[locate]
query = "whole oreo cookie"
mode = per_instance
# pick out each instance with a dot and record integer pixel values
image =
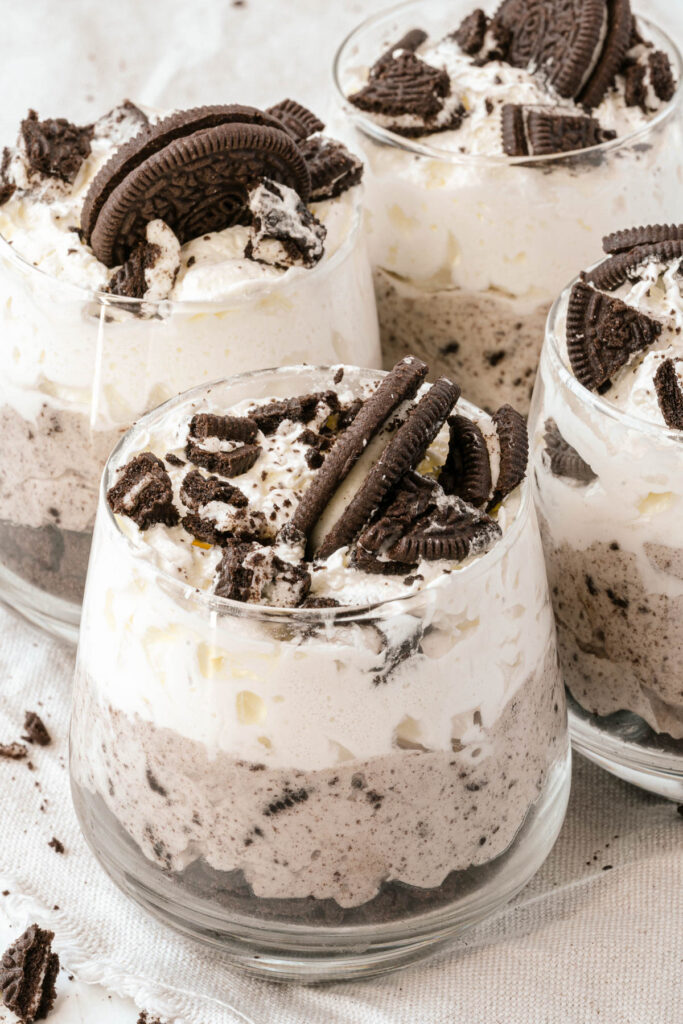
(617, 42)
(612, 273)
(563, 38)
(403, 452)
(193, 171)
(603, 333)
(650, 234)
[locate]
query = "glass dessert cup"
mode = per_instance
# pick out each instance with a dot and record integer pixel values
(613, 544)
(469, 251)
(319, 793)
(77, 368)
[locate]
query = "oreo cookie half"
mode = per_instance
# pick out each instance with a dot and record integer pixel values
(564, 460)
(612, 273)
(396, 387)
(513, 440)
(603, 333)
(563, 38)
(333, 168)
(650, 234)
(407, 85)
(528, 131)
(471, 32)
(403, 452)
(617, 42)
(28, 972)
(669, 394)
(467, 471)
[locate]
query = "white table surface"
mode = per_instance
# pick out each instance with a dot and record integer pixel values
(270, 48)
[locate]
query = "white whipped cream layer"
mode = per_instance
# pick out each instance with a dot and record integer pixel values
(224, 314)
(637, 498)
(470, 219)
(266, 688)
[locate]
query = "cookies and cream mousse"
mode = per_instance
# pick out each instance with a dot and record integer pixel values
(469, 185)
(609, 478)
(293, 602)
(143, 254)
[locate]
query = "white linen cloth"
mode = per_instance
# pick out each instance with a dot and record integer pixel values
(581, 943)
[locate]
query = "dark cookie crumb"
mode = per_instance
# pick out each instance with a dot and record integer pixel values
(56, 845)
(13, 751)
(35, 731)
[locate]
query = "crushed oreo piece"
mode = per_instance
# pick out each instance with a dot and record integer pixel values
(650, 234)
(129, 280)
(235, 462)
(225, 428)
(661, 75)
(56, 844)
(402, 453)
(237, 522)
(143, 492)
(635, 87)
(300, 409)
(174, 460)
(333, 168)
(7, 187)
(35, 731)
(197, 490)
(513, 439)
(471, 33)
(467, 471)
(669, 394)
(315, 601)
(255, 574)
(564, 460)
(532, 132)
(28, 972)
(558, 37)
(603, 333)
(299, 121)
(614, 49)
(284, 232)
(13, 751)
(612, 273)
(380, 566)
(55, 148)
(407, 85)
(414, 496)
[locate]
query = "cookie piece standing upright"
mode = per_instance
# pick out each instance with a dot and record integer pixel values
(617, 42)
(28, 971)
(669, 394)
(563, 38)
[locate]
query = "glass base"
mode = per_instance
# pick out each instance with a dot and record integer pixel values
(627, 747)
(53, 614)
(283, 951)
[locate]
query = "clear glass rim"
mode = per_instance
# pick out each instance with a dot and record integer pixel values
(343, 614)
(164, 307)
(598, 403)
(435, 152)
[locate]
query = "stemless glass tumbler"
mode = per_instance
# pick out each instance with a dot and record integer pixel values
(78, 367)
(613, 542)
(321, 793)
(469, 251)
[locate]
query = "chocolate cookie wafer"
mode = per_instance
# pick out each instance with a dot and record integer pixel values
(299, 121)
(212, 152)
(513, 439)
(612, 273)
(603, 333)
(396, 387)
(467, 471)
(529, 131)
(649, 234)
(403, 452)
(669, 394)
(617, 42)
(563, 38)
